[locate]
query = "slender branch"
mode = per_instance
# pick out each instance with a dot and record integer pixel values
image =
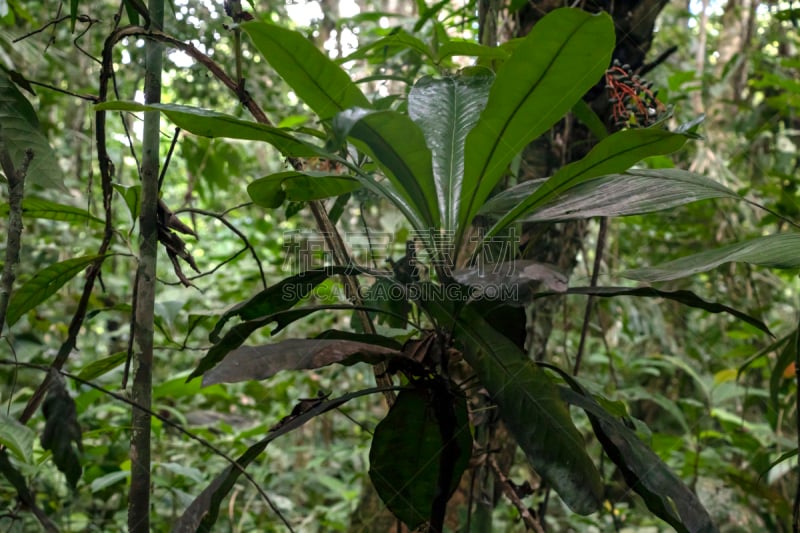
(25, 497)
(233, 228)
(175, 137)
(81, 18)
(92, 274)
(78, 38)
(131, 147)
(16, 190)
(341, 257)
(598, 259)
(88, 97)
(528, 518)
(131, 336)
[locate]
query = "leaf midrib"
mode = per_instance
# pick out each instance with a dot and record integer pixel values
(516, 109)
(547, 194)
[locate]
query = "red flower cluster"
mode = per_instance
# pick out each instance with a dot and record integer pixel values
(633, 103)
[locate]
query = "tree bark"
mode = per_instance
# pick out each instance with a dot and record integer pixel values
(569, 141)
(141, 389)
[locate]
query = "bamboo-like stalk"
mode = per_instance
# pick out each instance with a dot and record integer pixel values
(141, 389)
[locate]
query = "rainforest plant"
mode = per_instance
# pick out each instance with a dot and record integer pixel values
(440, 157)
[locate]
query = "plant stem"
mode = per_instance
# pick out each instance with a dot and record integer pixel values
(334, 241)
(587, 314)
(92, 274)
(141, 390)
(16, 187)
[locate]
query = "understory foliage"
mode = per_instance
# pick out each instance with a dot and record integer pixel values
(344, 294)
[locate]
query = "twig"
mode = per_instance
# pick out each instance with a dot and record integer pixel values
(361, 425)
(25, 497)
(131, 330)
(131, 149)
(511, 494)
(242, 236)
(598, 259)
(341, 257)
(88, 97)
(81, 34)
(81, 18)
(169, 157)
(186, 281)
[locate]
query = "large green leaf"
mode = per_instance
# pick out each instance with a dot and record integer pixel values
(778, 251)
(44, 284)
(40, 208)
(316, 79)
(616, 153)
(235, 336)
(102, 366)
(279, 297)
(420, 451)
(682, 296)
(530, 406)
(446, 109)
(664, 493)
(631, 193)
(20, 131)
(398, 146)
(262, 309)
(271, 191)
(398, 41)
(16, 438)
(212, 124)
(563, 56)
(458, 47)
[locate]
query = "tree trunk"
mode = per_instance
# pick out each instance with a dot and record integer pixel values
(569, 141)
